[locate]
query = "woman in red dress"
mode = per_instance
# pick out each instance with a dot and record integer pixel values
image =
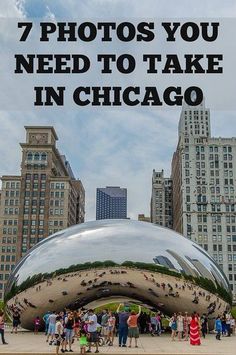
(194, 331)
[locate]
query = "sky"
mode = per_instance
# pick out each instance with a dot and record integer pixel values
(115, 147)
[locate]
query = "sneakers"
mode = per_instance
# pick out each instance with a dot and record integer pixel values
(124, 346)
(97, 351)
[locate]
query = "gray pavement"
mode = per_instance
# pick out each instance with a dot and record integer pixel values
(27, 343)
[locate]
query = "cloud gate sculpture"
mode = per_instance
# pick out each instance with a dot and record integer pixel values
(102, 261)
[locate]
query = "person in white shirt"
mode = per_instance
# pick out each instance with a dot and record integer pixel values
(92, 330)
(59, 335)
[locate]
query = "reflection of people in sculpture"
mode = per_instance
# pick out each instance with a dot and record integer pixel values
(133, 331)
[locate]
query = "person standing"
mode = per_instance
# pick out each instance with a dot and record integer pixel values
(123, 326)
(2, 326)
(45, 319)
(218, 327)
(69, 329)
(15, 321)
(133, 331)
(180, 325)
(186, 326)
(51, 327)
(104, 325)
(59, 335)
(204, 325)
(92, 330)
(36, 325)
(173, 326)
(111, 328)
(194, 331)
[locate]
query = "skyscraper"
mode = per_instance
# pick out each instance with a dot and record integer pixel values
(161, 200)
(44, 199)
(204, 188)
(111, 203)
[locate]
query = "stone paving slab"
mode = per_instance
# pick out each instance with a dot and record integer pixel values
(28, 343)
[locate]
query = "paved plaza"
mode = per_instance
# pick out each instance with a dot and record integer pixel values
(28, 343)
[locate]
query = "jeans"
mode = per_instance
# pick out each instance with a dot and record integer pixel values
(2, 335)
(123, 334)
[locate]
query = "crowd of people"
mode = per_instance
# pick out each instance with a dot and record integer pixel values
(63, 328)
(194, 326)
(90, 329)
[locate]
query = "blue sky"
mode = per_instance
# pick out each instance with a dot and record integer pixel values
(109, 147)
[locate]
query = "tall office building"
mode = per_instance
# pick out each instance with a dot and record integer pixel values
(204, 188)
(43, 200)
(111, 203)
(161, 200)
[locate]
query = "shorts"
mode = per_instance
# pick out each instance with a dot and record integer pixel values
(104, 331)
(15, 323)
(133, 332)
(57, 340)
(51, 329)
(69, 334)
(93, 337)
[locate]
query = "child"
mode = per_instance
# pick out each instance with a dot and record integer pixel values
(36, 325)
(59, 335)
(218, 327)
(83, 342)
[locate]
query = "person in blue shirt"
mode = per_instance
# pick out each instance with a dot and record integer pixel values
(218, 327)
(45, 319)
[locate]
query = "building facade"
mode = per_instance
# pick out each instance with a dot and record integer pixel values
(161, 200)
(143, 218)
(43, 200)
(204, 188)
(111, 203)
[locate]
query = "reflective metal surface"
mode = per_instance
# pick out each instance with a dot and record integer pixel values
(116, 258)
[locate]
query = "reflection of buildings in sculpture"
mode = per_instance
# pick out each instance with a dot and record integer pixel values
(203, 271)
(143, 218)
(186, 268)
(164, 261)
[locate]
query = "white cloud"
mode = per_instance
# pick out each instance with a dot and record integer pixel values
(12, 8)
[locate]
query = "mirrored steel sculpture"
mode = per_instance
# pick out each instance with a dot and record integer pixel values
(96, 262)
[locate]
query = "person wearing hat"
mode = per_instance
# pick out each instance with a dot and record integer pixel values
(123, 326)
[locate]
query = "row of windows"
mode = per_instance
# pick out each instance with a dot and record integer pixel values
(8, 249)
(34, 194)
(9, 231)
(56, 223)
(9, 240)
(4, 277)
(6, 267)
(34, 211)
(35, 176)
(57, 194)
(8, 258)
(26, 222)
(34, 202)
(56, 212)
(12, 193)
(57, 203)
(11, 202)
(57, 185)
(33, 231)
(10, 222)
(11, 211)
(11, 184)
(36, 156)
